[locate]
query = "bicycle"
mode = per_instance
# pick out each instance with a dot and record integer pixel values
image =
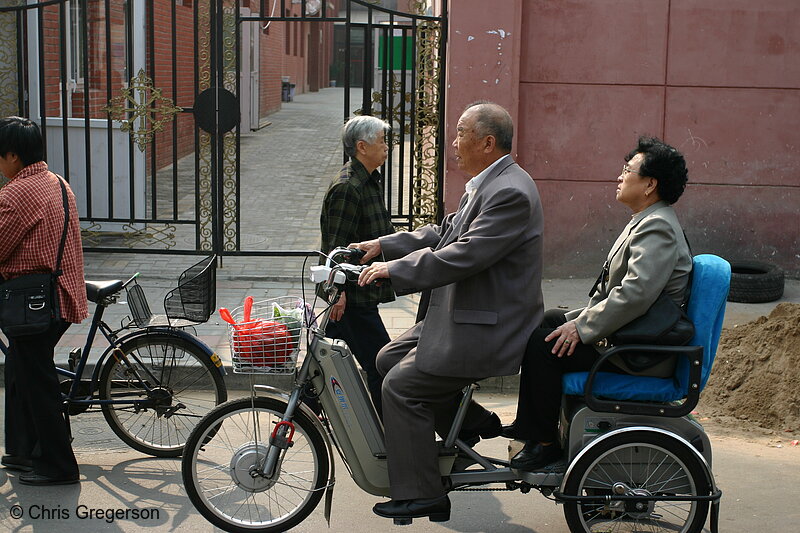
(263, 463)
(155, 380)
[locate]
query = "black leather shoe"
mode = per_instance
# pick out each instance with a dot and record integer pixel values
(436, 509)
(489, 429)
(511, 431)
(15, 462)
(32, 478)
(533, 455)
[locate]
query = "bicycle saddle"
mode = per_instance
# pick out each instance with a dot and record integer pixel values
(95, 290)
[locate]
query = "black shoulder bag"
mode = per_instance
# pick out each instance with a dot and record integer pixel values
(665, 323)
(29, 303)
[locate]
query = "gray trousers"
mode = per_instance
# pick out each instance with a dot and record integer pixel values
(415, 405)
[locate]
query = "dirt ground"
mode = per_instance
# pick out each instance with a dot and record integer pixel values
(754, 388)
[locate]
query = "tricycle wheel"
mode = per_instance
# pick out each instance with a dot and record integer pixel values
(637, 463)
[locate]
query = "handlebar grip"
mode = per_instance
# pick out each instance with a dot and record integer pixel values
(354, 255)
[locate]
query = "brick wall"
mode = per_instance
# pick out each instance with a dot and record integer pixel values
(170, 44)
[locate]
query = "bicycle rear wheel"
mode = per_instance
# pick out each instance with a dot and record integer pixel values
(222, 468)
(638, 463)
(177, 382)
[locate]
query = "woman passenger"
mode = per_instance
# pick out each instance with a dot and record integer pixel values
(650, 256)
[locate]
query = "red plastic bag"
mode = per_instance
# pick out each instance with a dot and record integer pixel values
(263, 342)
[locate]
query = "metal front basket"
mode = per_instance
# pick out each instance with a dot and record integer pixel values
(270, 341)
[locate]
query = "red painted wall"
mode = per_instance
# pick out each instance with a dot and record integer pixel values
(482, 64)
(718, 79)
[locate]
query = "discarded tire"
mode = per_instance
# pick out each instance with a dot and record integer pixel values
(755, 282)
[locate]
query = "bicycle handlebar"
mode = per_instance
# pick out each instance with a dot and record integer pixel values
(344, 255)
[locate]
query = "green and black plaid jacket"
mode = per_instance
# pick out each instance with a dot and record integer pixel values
(354, 211)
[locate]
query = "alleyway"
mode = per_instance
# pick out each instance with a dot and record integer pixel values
(285, 170)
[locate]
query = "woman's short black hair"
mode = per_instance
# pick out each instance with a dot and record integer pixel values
(23, 137)
(664, 163)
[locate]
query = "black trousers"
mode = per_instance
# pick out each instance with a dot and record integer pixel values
(35, 426)
(540, 387)
(362, 329)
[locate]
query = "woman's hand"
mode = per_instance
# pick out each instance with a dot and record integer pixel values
(338, 308)
(372, 249)
(566, 336)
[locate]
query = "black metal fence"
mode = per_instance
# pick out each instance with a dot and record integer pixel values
(139, 104)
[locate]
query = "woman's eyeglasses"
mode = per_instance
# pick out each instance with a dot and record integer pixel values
(628, 170)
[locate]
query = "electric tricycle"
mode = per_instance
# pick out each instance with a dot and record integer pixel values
(634, 458)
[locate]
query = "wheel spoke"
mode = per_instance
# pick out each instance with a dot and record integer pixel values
(643, 463)
(177, 381)
(217, 474)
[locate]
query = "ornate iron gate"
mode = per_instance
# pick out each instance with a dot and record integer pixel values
(139, 103)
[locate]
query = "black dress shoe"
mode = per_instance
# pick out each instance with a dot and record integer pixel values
(32, 478)
(436, 509)
(511, 431)
(533, 455)
(489, 429)
(15, 462)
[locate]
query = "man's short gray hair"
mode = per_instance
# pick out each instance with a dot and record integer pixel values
(362, 128)
(493, 119)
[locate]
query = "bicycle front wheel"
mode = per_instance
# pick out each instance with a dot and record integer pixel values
(174, 384)
(222, 468)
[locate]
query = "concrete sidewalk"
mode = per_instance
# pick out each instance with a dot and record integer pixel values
(398, 317)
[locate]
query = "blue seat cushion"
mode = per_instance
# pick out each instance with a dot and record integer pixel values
(624, 387)
(710, 283)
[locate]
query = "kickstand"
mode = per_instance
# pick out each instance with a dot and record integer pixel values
(66, 421)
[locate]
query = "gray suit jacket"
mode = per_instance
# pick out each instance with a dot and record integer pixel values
(484, 274)
(650, 256)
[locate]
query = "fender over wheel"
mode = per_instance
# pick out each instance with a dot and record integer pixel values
(637, 463)
(182, 386)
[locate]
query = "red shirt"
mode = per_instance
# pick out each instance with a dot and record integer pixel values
(31, 222)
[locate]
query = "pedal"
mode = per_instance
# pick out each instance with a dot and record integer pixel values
(72, 360)
(402, 521)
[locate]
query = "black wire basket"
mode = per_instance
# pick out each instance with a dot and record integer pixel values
(191, 302)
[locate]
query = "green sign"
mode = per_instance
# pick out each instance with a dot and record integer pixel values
(396, 52)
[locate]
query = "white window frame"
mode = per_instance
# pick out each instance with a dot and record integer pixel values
(75, 47)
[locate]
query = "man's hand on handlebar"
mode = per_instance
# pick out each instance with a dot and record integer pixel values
(372, 249)
(374, 272)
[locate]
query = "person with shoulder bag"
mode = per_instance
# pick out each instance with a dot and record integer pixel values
(648, 267)
(42, 292)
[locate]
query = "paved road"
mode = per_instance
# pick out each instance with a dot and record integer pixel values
(759, 483)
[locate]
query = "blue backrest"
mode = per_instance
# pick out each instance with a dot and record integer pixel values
(710, 283)
(711, 280)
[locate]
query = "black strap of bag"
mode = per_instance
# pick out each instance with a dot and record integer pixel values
(29, 303)
(57, 272)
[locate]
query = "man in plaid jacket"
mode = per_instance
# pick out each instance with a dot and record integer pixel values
(354, 211)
